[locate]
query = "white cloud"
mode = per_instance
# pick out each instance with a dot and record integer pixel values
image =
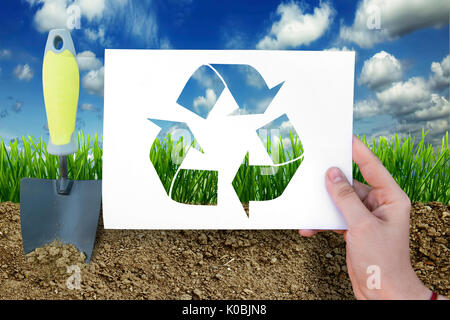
(165, 43)
(5, 54)
(94, 35)
(97, 35)
(411, 100)
(53, 13)
(93, 81)
(233, 36)
(439, 108)
(401, 98)
(287, 144)
(91, 8)
(99, 16)
(205, 102)
(366, 108)
(436, 128)
(144, 27)
(204, 76)
(414, 104)
(286, 127)
(87, 107)
(405, 97)
(344, 48)
(87, 61)
(380, 71)
(261, 104)
(396, 18)
(23, 72)
(295, 28)
(253, 78)
(440, 77)
(235, 41)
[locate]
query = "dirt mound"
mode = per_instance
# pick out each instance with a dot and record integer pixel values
(54, 259)
(129, 264)
(429, 245)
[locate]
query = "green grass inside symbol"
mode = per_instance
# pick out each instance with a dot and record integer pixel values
(251, 183)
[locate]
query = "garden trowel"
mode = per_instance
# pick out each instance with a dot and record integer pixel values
(61, 209)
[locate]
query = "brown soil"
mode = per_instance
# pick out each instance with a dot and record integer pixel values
(208, 264)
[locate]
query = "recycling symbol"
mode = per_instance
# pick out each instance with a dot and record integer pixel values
(252, 96)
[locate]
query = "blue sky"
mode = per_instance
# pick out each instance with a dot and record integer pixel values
(402, 51)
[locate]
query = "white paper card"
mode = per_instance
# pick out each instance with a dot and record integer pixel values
(178, 125)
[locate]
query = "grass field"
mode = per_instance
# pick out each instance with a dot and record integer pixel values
(422, 171)
(190, 186)
(200, 186)
(33, 161)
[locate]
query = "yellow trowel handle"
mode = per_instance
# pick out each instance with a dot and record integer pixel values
(60, 82)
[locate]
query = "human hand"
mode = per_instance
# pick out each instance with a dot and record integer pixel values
(378, 230)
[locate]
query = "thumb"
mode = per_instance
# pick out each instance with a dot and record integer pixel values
(345, 197)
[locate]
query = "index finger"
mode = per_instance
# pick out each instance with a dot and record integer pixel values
(371, 168)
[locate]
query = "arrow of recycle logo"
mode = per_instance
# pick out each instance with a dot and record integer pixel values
(251, 182)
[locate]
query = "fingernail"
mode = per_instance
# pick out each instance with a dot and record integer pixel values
(335, 175)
